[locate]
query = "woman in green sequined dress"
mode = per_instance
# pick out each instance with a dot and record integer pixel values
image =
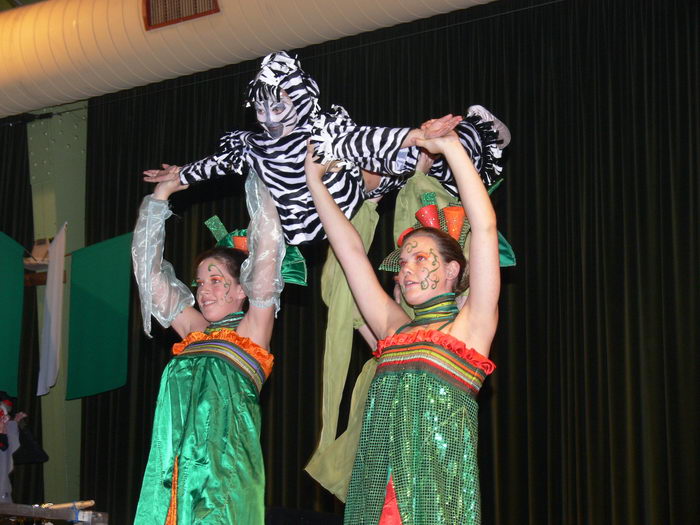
(205, 464)
(416, 461)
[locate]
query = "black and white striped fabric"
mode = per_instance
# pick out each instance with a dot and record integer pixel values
(377, 149)
(280, 162)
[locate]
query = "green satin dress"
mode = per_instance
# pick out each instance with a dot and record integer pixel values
(206, 463)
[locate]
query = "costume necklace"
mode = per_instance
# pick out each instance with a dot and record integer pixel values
(231, 321)
(440, 308)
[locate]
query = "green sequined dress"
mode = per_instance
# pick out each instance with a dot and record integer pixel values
(206, 464)
(420, 431)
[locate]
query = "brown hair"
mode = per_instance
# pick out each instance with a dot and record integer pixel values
(450, 250)
(232, 258)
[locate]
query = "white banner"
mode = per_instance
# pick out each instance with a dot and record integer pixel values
(50, 343)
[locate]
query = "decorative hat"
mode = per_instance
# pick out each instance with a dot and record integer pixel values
(450, 219)
(293, 264)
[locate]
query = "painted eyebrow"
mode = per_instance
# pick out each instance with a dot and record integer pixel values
(209, 276)
(415, 254)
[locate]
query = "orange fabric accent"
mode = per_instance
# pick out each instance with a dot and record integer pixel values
(171, 518)
(399, 241)
(428, 216)
(447, 341)
(390, 510)
(262, 356)
(241, 243)
(454, 217)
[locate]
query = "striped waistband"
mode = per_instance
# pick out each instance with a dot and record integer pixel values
(232, 353)
(434, 359)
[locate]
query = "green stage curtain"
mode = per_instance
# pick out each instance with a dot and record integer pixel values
(592, 412)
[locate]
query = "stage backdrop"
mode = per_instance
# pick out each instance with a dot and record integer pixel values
(592, 414)
(17, 221)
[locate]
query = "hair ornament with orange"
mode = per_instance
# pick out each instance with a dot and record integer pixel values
(293, 264)
(450, 219)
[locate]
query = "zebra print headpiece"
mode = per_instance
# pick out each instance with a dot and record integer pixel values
(278, 72)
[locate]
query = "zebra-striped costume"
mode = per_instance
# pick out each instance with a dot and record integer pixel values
(280, 162)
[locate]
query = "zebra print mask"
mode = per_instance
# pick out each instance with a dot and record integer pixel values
(279, 118)
(282, 81)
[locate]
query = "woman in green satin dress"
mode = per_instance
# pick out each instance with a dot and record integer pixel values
(416, 459)
(205, 465)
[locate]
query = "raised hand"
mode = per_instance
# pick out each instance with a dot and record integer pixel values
(439, 127)
(314, 170)
(439, 144)
(167, 181)
(168, 172)
(436, 127)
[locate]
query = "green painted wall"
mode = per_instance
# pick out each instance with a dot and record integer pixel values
(57, 172)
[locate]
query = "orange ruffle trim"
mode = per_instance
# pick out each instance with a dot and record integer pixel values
(262, 356)
(445, 340)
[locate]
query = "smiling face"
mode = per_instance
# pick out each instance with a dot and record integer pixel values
(218, 293)
(424, 272)
(278, 117)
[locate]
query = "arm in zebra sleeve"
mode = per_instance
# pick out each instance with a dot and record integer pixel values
(229, 159)
(387, 151)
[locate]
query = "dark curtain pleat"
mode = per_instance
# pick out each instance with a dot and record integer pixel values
(17, 221)
(16, 218)
(592, 413)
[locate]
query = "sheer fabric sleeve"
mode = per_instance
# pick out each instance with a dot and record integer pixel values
(261, 272)
(162, 295)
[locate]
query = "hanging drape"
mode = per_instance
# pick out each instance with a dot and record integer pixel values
(592, 413)
(16, 220)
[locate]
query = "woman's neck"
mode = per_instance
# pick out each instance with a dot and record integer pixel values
(231, 321)
(441, 308)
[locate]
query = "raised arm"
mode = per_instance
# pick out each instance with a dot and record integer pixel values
(382, 314)
(261, 273)
(373, 148)
(477, 321)
(229, 158)
(162, 295)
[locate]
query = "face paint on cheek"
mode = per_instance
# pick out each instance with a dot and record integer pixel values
(430, 280)
(279, 118)
(409, 246)
(227, 284)
(226, 298)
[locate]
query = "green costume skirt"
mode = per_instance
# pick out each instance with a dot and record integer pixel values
(420, 431)
(208, 421)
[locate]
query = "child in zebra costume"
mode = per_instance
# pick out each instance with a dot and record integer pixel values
(286, 104)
